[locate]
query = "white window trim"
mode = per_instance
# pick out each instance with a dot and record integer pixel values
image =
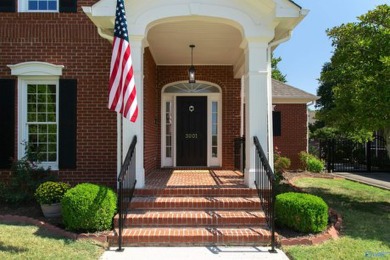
(23, 82)
(34, 72)
(171, 97)
(23, 8)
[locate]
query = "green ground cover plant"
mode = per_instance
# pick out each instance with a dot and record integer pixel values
(366, 216)
(31, 242)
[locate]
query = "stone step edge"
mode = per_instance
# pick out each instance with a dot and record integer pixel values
(193, 236)
(190, 191)
(193, 218)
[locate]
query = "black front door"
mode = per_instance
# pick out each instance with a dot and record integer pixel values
(191, 133)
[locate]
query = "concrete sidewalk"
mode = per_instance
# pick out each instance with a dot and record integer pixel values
(377, 179)
(195, 253)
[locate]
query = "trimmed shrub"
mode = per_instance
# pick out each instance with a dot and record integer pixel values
(88, 207)
(311, 162)
(51, 192)
(301, 212)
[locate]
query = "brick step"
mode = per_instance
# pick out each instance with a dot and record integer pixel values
(196, 203)
(196, 192)
(200, 236)
(193, 218)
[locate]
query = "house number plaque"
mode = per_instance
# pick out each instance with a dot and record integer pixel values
(191, 136)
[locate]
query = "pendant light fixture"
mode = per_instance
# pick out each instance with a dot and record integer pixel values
(191, 70)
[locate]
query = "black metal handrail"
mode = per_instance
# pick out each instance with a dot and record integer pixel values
(265, 182)
(127, 177)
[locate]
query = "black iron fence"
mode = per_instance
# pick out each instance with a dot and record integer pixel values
(265, 182)
(126, 183)
(342, 155)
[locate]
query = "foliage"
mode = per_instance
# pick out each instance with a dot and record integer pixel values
(365, 213)
(88, 207)
(281, 164)
(276, 73)
(356, 82)
(301, 212)
(51, 192)
(36, 242)
(311, 162)
(26, 175)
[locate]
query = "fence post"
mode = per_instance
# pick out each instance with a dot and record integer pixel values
(369, 157)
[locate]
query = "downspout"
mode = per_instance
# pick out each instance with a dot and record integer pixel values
(270, 109)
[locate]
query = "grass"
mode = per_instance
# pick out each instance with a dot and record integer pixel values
(366, 220)
(31, 242)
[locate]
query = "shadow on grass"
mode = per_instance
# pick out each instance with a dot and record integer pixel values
(12, 249)
(367, 220)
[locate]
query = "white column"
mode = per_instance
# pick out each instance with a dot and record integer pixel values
(130, 129)
(256, 103)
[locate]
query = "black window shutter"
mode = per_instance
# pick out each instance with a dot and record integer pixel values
(7, 122)
(67, 124)
(277, 123)
(68, 6)
(8, 6)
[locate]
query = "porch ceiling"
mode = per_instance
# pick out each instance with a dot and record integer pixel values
(216, 43)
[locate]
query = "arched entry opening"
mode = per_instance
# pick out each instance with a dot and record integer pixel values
(191, 125)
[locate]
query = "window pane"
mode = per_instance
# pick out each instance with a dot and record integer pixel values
(52, 5)
(214, 140)
(169, 140)
(33, 5)
(168, 152)
(31, 117)
(41, 89)
(42, 108)
(168, 129)
(42, 138)
(51, 117)
(41, 117)
(31, 98)
(52, 128)
(42, 129)
(52, 157)
(42, 5)
(215, 107)
(214, 152)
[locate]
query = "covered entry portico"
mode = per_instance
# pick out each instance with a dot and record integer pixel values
(238, 35)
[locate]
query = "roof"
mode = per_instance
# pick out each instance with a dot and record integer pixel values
(284, 93)
(295, 4)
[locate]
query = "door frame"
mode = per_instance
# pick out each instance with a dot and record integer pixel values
(172, 98)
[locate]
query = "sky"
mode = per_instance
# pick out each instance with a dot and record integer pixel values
(309, 47)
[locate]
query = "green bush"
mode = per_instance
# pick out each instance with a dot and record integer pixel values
(311, 162)
(88, 207)
(281, 164)
(301, 212)
(26, 176)
(51, 192)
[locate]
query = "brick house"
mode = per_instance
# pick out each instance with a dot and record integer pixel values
(54, 70)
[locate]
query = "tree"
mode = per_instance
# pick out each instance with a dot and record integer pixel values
(359, 75)
(276, 73)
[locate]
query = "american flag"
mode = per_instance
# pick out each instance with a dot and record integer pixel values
(122, 91)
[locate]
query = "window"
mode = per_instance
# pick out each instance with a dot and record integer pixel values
(277, 123)
(42, 5)
(41, 128)
(168, 131)
(38, 5)
(214, 129)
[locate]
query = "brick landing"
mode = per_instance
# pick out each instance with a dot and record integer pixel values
(194, 207)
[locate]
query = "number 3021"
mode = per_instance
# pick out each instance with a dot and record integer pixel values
(191, 136)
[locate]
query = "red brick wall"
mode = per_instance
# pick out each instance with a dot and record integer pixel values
(70, 39)
(294, 132)
(151, 129)
(222, 76)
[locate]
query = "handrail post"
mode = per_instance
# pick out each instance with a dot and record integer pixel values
(267, 180)
(124, 171)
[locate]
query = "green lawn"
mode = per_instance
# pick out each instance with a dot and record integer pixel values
(31, 242)
(366, 221)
